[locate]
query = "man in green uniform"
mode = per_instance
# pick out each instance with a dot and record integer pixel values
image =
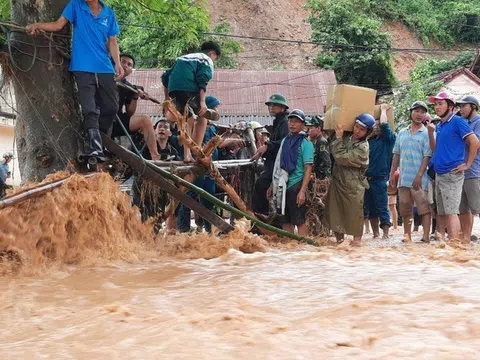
(322, 164)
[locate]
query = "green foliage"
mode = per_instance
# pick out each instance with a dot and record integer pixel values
(356, 48)
(427, 68)
(447, 21)
(229, 47)
(181, 24)
(5, 9)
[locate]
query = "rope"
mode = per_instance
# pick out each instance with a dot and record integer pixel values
(127, 134)
(10, 28)
(10, 54)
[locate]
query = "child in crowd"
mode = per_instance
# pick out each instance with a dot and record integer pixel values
(153, 202)
(291, 175)
(186, 84)
(344, 204)
(392, 199)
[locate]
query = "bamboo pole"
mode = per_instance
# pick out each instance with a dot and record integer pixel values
(210, 147)
(221, 204)
(203, 159)
(199, 170)
(219, 163)
(145, 170)
(126, 155)
(35, 192)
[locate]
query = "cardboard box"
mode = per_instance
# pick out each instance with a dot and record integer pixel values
(377, 112)
(345, 102)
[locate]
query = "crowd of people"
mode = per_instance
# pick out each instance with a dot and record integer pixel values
(431, 166)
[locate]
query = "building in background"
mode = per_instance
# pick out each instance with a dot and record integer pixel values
(243, 93)
(459, 82)
(7, 132)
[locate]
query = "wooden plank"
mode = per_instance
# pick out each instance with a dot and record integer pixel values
(131, 159)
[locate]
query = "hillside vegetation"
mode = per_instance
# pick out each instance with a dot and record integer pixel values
(360, 51)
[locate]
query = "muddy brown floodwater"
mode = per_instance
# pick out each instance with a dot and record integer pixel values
(281, 301)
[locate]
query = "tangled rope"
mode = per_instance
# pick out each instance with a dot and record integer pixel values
(10, 28)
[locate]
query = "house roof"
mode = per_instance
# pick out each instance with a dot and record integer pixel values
(243, 93)
(448, 76)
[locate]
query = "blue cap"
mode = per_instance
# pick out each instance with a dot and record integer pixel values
(211, 101)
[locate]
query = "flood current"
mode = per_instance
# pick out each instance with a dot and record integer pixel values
(238, 298)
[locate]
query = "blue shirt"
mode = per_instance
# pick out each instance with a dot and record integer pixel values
(90, 35)
(305, 157)
(474, 171)
(3, 171)
(380, 156)
(450, 144)
(412, 149)
(210, 133)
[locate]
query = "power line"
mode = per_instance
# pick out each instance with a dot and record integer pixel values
(294, 41)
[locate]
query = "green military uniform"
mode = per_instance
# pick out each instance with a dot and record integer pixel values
(344, 203)
(321, 163)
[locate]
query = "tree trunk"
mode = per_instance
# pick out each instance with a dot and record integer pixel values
(48, 123)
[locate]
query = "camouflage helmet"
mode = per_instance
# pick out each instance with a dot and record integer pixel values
(317, 120)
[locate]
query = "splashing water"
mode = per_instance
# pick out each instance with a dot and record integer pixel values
(96, 283)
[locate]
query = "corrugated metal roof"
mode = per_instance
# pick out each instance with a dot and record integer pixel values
(243, 93)
(448, 76)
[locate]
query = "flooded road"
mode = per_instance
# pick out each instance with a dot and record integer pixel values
(93, 283)
(417, 302)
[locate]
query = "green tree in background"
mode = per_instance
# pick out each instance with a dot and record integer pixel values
(230, 48)
(356, 48)
(181, 23)
(447, 22)
(5, 9)
(427, 68)
(156, 33)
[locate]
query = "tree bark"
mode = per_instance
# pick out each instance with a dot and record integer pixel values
(47, 126)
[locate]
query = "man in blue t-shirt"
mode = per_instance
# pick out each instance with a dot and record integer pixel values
(470, 203)
(292, 173)
(450, 161)
(95, 31)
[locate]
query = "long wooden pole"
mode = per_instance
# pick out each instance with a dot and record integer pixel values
(148, 171)
(204, 160)
(125, 86)
(135, 161)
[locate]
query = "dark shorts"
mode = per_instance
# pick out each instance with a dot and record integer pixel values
(117, 128)
(181, 99)
(293, 214)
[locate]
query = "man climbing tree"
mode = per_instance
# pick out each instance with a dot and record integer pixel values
(94, 41)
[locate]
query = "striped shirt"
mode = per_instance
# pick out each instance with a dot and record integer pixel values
(412, 150)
